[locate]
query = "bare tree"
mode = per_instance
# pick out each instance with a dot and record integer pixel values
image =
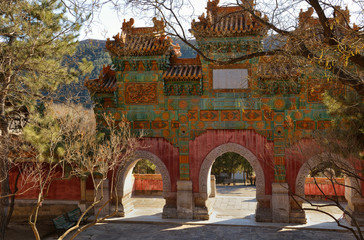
(87, 152)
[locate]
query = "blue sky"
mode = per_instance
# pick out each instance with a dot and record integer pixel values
(108, 21)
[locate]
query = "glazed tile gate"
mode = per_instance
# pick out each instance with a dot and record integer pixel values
(193, 111)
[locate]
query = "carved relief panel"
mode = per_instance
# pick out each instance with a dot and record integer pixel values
(141, 93)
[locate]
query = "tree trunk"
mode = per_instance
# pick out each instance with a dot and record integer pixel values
(4, 201)
(12, 199)
(4, 173)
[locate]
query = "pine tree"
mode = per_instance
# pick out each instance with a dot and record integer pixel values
(34, 38)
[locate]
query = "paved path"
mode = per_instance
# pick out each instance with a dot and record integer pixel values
(233, 218)
(239, 201)
(132, 231)
(233, 204)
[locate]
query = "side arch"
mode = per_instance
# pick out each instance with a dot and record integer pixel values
(206, 166)
(126, 172)
(321, 158)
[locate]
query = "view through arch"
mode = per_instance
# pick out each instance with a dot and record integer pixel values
(143, 194)
(235, 182)
(205, 170)
(147, 192)
(322, 178)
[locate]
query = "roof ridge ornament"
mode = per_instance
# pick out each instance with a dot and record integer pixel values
(141, 41)
(227, 21)
(129, 29)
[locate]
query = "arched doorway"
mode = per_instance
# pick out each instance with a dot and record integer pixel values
(126, 181)
(235, 193)
(350, 192)
(205, 171)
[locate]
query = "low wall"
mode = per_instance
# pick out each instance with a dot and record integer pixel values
(152, 183)
(311, 189)
(48, 210)
(148, 184)
(65, 189)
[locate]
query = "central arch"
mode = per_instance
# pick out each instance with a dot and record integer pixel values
(205, 170)
(125, 179)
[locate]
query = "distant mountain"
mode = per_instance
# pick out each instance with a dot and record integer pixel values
(186, 51)
(93, 51)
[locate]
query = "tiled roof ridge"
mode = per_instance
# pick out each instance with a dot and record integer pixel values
(141, 41)
(105, 83)
(184, 69)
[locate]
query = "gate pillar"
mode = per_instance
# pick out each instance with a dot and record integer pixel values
(356, 208)
(280, 203)
(355, 202)
(170, 208)
(185, 203)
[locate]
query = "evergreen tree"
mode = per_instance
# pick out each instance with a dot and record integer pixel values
(231, 163)
(144, 166)
(34, 38)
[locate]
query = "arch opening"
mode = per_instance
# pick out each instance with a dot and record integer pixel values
(233, 186)
(137, 193)
(205, 170)
(205, 190)
(324, 177)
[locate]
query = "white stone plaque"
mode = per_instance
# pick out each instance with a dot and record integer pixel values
(230, 79)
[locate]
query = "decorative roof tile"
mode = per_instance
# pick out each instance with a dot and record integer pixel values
(106, 82)
(144, 41)
(183, 73)
(184, 69)
(226, 22)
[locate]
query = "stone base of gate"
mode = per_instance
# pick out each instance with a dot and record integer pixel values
(356, 208)
(170, 208)
(126, 205)
(203, 207)
(263, 212)
(296, 214)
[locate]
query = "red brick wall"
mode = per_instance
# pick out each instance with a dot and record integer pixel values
(148, 182)
(325, 185)
(167, 153)
(257, 144)
(69, 189)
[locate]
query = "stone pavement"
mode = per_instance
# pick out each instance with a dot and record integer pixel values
(233, 218)
(143, 231)
(230, 209)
